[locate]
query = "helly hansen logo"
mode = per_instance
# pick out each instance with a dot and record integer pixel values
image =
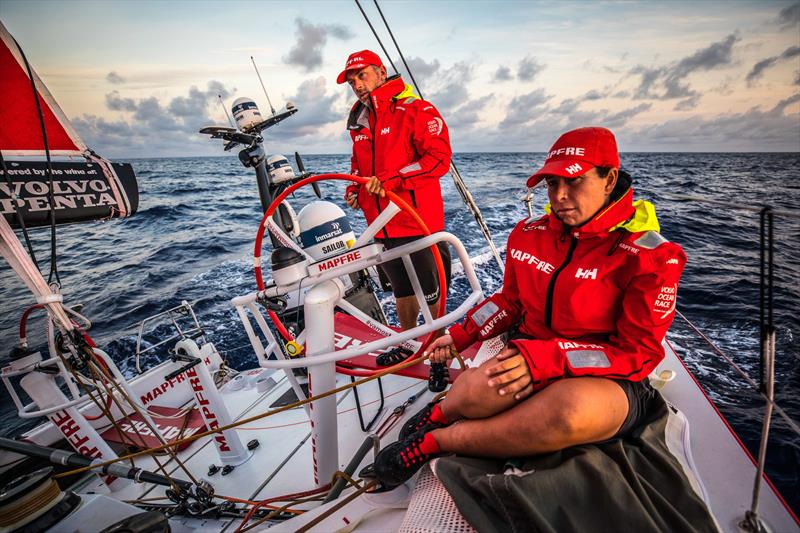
(586, 273)
(525, 257)
(386, 130)
(574, 169)
(361, 137)
(567, 150)
(672, 261)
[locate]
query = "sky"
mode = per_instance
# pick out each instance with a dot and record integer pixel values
(139, 79)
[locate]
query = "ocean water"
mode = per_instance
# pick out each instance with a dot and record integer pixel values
(192, 240)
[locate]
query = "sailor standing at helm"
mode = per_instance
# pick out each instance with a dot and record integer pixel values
(401, 143)
(588, 295)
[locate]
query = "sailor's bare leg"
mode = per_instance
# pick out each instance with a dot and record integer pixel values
(408, 311)
(568, 412)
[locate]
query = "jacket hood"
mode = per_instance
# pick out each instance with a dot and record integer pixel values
(393, 89)
(621, 213)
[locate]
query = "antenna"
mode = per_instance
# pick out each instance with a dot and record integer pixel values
(230, 120)
(262, 86)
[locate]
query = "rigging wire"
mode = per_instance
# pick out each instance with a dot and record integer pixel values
(458, 181)
(791, 423)
(389, 370)
(375, 33)
(50, 196)
(402, 57)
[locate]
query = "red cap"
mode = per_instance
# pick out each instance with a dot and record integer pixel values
(357, 61)
(577, 152)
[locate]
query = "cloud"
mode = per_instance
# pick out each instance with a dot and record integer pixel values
(528, 68)
(755, 129)
(307, 50)
(532, 121)
(196, 102)
(503, 73)
(569, 105)
(422, 70)
(789, 17)
(469, 114)
(761, 66)
(619, 119)
(114, 78)
(316, 109)
(450, 90)
(669, 82)
(94, 127)
(117, 103)
(689, 103)
(525, 108)
(151, 127)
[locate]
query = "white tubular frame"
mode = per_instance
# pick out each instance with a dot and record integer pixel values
(393, 338)
(263, 354)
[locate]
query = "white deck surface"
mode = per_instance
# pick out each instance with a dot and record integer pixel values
(284, 457)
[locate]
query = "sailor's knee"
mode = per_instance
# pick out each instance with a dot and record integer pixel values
(471, 387)
(566, 418)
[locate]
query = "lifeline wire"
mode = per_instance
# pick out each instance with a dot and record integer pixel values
(389, 370)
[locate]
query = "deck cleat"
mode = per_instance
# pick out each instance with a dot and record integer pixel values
(227, 469)
(253, 444)
(213, 469)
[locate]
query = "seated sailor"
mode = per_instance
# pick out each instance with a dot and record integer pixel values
(588, 295)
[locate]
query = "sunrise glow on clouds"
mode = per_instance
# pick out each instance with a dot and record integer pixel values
(139, 79)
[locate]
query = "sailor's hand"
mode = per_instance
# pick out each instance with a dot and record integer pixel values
(352, 200)
(441, 350)
(374, 186)
(509, 374)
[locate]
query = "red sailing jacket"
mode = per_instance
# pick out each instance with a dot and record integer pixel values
(597, 301)
(405, 143)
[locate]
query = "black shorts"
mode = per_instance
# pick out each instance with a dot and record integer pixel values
(424, 265)
(640, 398)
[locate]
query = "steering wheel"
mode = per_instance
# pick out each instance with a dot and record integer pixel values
(372, 229)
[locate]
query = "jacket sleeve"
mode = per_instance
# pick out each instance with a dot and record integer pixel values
(493, 316)
(431, 140)
(647, 311)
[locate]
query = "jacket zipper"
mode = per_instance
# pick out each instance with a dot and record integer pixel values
(551, 288)
(377, 197)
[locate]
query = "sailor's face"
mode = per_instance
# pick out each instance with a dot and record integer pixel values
(365, 81)
(576, 200)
